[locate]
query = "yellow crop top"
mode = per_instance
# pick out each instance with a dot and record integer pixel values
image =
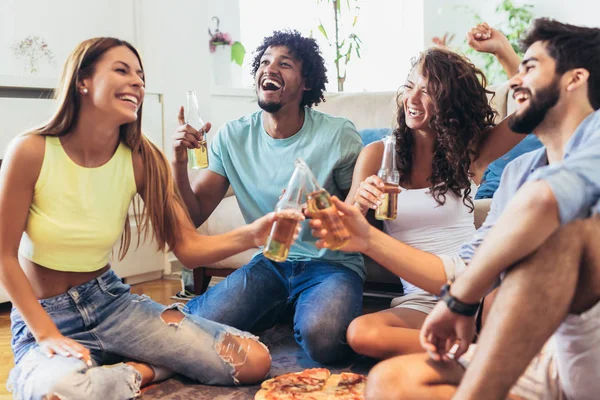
(77, 214)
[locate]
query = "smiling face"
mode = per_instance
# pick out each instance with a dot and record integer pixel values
(536, 89)
(418, 105)
(116, 86)
(279, 81)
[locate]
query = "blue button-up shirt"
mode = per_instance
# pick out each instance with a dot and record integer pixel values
(575, 181)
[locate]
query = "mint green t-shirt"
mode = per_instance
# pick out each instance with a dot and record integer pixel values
(259, 167)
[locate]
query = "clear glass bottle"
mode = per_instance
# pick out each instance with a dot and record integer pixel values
(198, 157)
(320, 205)
(389, 174)
(289, 213)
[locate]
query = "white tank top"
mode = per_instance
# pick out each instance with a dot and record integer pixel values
(425, 225)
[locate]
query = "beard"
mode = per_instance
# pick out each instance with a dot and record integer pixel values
(270, 107)
(537, 109)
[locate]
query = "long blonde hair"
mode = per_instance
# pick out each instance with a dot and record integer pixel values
(161, 197)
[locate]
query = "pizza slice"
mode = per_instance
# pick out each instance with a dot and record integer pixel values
(348, 386)
(305, 385)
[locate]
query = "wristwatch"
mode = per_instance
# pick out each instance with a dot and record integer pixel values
(457, 306)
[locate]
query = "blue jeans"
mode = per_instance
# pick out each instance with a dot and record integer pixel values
(326, 297)
(114, 324)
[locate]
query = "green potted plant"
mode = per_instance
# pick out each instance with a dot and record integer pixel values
(345, 42)
(515, 20)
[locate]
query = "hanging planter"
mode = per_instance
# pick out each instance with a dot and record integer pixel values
(224, 51)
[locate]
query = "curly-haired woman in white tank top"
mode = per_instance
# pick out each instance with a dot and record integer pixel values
(445, 139)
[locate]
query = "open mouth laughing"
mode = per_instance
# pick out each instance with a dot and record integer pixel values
(129, 98)
(414, 112)
(521, 96)
(269, 84)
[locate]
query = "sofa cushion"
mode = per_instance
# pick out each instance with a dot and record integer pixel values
(491, 177)
(364, 109)
(371, 135)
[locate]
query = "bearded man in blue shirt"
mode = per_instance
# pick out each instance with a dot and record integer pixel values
(540, 244)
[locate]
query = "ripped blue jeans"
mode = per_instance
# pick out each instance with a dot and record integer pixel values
(116, 325)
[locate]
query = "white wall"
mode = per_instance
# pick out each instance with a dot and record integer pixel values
(63, 23)
(442, 16)
(171, 36)
(174, 44)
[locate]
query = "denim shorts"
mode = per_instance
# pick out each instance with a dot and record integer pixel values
(104, 316)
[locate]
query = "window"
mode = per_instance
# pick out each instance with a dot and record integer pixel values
(391, 32)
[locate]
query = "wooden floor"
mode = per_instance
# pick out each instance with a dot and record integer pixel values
(159, 291)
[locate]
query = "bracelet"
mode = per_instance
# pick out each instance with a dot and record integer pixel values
(457, 306)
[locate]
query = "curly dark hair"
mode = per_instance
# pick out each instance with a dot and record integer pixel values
(461, 113)
(306, 50)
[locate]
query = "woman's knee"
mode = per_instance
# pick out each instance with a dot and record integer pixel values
(38, 377)
(249, 358)
(361, 333)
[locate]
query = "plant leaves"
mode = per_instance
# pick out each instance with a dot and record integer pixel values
(238, 51)
(349, 53)
(322, 29)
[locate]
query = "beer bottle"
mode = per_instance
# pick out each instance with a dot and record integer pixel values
(289, 213)
(320, 205)
(388, 209)
(197, 158)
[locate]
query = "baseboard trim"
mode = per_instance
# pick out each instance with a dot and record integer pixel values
(149, 276)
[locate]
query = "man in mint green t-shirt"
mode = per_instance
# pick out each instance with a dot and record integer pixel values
(255, 154)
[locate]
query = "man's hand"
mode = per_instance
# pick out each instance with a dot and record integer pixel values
(186, 137)
(356, 224)
(66, 347)
(485, 39)
(442, 329)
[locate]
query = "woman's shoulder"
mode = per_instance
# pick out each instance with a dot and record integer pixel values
(25, 156)
(373, 150)
(370, 157)
(27, 148)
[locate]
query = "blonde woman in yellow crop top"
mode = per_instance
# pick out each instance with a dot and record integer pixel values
(64, 197)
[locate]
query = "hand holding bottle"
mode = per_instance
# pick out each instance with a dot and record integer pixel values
(288, 213)
(358, 228)
(190, 137)
(369, 194)
(261, 229)
(389, 175)
(186, 137)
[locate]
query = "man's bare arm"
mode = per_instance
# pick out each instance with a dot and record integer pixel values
(203, 195)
